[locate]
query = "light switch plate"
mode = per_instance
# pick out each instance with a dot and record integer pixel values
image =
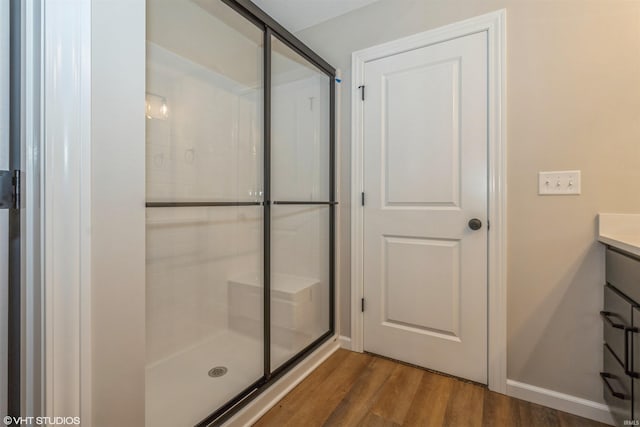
(555, 183)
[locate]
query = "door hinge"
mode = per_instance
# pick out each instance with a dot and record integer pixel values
(362, 198)
(362, 305)
(361, 87)
(10, 189)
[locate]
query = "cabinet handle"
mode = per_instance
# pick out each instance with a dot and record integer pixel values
(627, 351)
(605, 377)
(606, 315)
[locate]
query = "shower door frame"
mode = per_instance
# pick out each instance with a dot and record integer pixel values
(13, 369)
(270, 28)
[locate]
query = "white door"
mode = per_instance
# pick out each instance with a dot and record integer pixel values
(425, 178)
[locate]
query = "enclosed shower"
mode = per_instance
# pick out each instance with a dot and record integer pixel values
(240, 207)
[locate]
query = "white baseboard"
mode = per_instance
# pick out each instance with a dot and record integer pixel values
(560, 401)
(260, 405)
(345, 342)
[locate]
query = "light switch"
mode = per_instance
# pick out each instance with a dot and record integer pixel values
(558, 183)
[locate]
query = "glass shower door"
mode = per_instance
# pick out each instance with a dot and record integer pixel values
(301, 210)
(204, 113)
(240, 207)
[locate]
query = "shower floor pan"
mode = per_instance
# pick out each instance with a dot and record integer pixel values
(179, 390)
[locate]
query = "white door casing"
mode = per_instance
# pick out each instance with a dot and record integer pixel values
(402, 197)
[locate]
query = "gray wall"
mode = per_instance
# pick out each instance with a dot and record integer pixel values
(573, 103)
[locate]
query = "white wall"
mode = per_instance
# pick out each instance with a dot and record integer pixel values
(118, 212)
(199, 31)
(573, 102)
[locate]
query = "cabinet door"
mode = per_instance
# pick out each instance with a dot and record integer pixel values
(634, 361)
(617, 387)
(623, 272)
(617, 321)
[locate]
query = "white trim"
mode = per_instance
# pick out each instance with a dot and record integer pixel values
(32, 210)
(67, 206)
(495, 25)
(338, 196)
(497, 252)
(560, 401)
(257, 408)
(345, 342)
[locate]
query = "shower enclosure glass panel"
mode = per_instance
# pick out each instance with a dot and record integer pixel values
(299, 279)
(241, 207)
(203, 103)
(299, 127)
(300, 227)
(204, 113)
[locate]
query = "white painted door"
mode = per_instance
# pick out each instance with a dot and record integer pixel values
(425, 177)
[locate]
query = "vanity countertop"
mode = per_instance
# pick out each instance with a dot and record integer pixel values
(621, 231)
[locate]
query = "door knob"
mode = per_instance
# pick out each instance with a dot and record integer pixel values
(475, 224)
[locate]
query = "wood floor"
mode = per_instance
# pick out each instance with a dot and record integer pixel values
(354, 389)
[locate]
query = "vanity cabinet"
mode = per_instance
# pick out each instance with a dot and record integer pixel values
(621, 347)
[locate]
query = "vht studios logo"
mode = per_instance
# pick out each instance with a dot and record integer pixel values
(41, 421)
(632, 422)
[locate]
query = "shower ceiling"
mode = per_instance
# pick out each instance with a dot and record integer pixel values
(296, 15)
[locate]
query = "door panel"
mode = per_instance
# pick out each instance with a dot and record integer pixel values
(435, 309)
(425, 270)
(412, 166)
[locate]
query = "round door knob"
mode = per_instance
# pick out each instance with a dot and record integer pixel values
(475, 224)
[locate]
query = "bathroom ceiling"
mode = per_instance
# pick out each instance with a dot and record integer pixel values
(296, 15)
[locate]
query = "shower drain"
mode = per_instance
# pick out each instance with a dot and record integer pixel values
(218, 371)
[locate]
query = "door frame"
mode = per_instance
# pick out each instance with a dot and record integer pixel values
(494, 24)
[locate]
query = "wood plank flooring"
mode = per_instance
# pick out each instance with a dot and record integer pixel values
(354, 389)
